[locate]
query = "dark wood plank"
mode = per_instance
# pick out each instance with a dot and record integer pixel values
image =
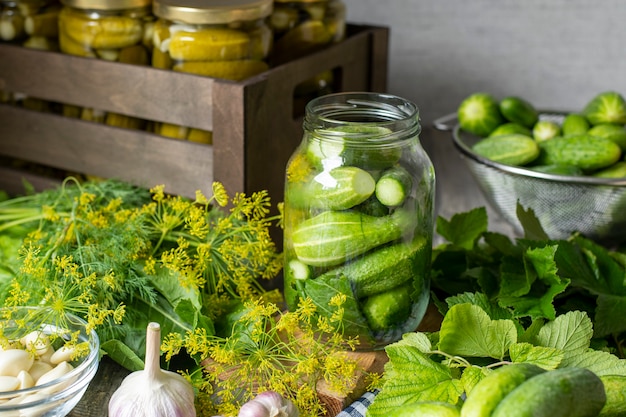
(139, 157)
(144, 92)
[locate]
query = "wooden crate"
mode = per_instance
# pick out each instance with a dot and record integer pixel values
(253, 123)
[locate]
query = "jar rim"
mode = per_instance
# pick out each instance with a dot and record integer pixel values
(212, 11)
(377, 117)
(106, 4)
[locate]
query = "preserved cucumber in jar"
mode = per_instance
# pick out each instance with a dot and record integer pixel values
(340, 253)
(119, 31)
(226, 39)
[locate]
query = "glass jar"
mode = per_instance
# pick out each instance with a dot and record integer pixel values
(359, 216)
(117, 30)
(304, 26)
(30, 22)
(227, 39)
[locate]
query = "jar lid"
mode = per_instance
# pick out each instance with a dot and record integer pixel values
(301, 1)
(106, 4)
(212, 11)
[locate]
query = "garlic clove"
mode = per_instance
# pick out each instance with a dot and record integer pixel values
(37, 341)
(63, 354)
(9, 383)
(38, 369)
(26, 380)
(12, 361)
(274, 404)
(254, 409)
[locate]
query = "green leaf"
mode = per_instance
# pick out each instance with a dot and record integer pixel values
(472, 376)
(493, 310)
(516, 279)
(417, 340)
(545, 357)
(530, 224)
(464, 229)
(570, 332)
(411, 376)
(323, 288)
(538, 303)
(467, 330)
(610, 315)
(122, 354)
(599, 362)
(542, 260)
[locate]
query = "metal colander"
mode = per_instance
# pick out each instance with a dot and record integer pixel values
(595, 207)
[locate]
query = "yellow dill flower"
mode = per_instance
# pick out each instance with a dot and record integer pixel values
(49, 213)
(201, 198)
(219, 194)
(157, 192)
(85, 199)
(299, 168)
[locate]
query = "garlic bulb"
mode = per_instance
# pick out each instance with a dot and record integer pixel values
(153, 392)
(268, 404)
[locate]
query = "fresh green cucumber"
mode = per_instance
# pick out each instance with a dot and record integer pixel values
(492, 389)
(373, 207)
(388, 309)
(425, 409)
(617, 170)
(563, 392)
(340, 188)
(613, 132)
(383, 269)
(355, 144)
(574, 124)
(615, 389)
(546, 130)
(518, 110)
(508, 128)
(394, 186)
(333, 237)
(606, 107)
(514, 149)
(558, 169)
(588, 153)
(479, 114)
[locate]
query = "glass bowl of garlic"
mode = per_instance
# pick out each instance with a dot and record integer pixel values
(47, 361)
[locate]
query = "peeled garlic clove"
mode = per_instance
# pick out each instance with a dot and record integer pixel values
(37, 341)
(56, 372)
(26, 380)
(9, 383)
(13, 361)
(63, 354)
(38, 369)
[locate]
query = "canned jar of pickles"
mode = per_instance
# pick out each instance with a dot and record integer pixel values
(33, 23)
(304, 26)
(359, 216)
(113, 30)
(227, 39)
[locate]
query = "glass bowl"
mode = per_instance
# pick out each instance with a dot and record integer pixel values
(57, 397)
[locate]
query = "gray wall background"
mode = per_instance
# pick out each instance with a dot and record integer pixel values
(555, 53)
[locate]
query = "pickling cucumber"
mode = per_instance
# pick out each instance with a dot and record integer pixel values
(394, 186)
(606, 107)
(492, 389)
(479, 114)
(425, 409)
(617, 170)
(337, 189)
(514, 149)
(388, 309)
(613, 132)
(558, 169)
(588, 153)
(546, 130)
(574, 124)
(508, 128)
(615, 389)
(563, 392)
(518, 110)
(384, 268)
(332, 237)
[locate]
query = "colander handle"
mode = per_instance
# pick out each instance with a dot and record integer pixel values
(445, 123)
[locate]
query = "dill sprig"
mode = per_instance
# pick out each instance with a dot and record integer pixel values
(98, 249)
(285, 352)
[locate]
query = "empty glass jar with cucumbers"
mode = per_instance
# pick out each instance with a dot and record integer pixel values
(359, 213)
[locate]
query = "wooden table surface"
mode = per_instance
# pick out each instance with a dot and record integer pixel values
(456, 192)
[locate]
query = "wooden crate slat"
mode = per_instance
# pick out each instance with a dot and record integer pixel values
(96, 149)
(144, 92)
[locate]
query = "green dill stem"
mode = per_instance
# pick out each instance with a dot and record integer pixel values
(18, 222)
(458, 359)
